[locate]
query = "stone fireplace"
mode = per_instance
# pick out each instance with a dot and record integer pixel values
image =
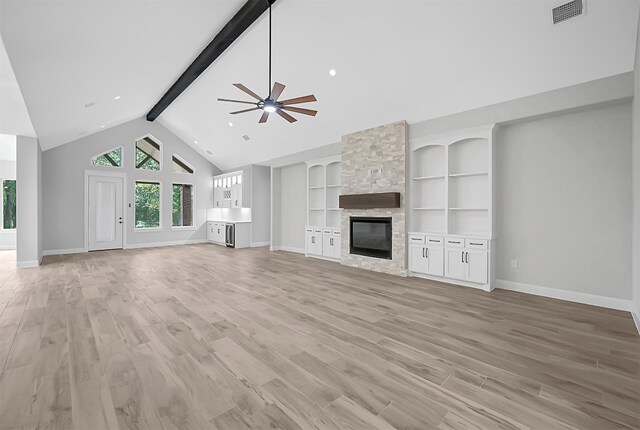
(374, 161)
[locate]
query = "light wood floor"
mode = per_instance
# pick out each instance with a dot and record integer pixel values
(207, 337)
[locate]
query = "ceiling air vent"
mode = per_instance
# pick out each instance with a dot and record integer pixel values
(209, 152)
(567, 11)
(245, 137)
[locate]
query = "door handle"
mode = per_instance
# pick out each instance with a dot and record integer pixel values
(427, 252)
(236, 203)
(423, 248)
(462, 256)
(467, 257)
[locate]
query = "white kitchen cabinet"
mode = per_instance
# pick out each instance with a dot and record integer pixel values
(210, 228)
(236, 196)
(470, 265)
(218, 232)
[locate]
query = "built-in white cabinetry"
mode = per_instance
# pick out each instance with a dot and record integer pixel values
(426, 254)
(323, 214)
(216, 232)
(452, 196)
(228, 191)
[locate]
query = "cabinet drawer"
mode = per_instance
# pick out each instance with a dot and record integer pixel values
(317, 230)
(327, 232)
(416, 239)
(476, 243)
(435, 240)
(454, 242)
(336, 232)
(309, 230)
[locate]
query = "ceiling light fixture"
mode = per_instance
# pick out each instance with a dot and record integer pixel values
(195, 141)
(332, 72)
(271, 104)
(116, 98)
(102, 126)
(230, 124)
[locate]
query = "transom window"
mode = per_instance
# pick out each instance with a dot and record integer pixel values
(180, 166)
(111, 158)
(148, 154)
(182, 205)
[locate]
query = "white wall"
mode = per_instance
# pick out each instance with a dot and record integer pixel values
(290, 202)
(636, 182)
(260, 204)
(7, 171)
(29, 202)
(564, 212)
(63, 172)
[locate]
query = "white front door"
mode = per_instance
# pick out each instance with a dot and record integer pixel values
(105, 212)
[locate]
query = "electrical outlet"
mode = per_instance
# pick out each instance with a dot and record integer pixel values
(514, 264)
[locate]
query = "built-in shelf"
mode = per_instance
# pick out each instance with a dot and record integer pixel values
(468, 209)
(334, 186)
(323, 191)
(460, 175)
(316, 209)
(333, 209)
(316, 188)
(423, 178)
(428, 209)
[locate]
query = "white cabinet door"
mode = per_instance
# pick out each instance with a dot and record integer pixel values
(217, 197)
(418, 259)
(308, 233)
(455, 267)
(314, 243)
(219, 232)
(477, 265)
(327, 250)
(210, 235)
(337, 246)
(435, 260)
(236, 196)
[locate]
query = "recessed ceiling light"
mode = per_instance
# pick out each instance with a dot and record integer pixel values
(90, 104)
(230, 124)
(116, 98)
(195, 141)
(332, 72)
(102, 126)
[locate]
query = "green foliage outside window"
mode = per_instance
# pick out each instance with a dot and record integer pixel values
(144, 161)
(182, 215)
(147, 205)
(9, 203)
(112, 158)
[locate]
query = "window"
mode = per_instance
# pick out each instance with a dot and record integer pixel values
(9, 204)
(182, 205)
(147, 210)
(112, 158)
(148, 154)
(181, 166)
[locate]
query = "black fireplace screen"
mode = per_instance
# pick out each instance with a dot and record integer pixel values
(370, 236)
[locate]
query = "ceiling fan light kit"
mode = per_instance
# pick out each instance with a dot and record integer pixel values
(271, 104)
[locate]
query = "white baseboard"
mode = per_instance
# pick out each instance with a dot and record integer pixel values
(258, 244)
(572, 296)
(158, 244)
(288, 249)
(63, 251)
(27, 264)
(7, 247)
(635, 313)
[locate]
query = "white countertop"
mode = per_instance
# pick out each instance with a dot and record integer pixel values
(228, 222)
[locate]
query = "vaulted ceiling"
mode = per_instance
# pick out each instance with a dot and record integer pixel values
(394, 60)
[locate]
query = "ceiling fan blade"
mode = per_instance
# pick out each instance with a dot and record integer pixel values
(243, 111)
(264, 117)
(236, 101)
(305, 99)
(301, 110)
(278, 88)
(248, 91)
(286, 116)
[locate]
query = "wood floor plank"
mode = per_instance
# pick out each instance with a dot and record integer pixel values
(206, 337)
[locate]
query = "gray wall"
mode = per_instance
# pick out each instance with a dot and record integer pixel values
(29, 202)
(636, 182)
(290, 206)
(63, 173)
(7, 237)
(260, 204)
(564, 212)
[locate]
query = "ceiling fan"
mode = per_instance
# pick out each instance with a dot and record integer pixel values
(271, 103)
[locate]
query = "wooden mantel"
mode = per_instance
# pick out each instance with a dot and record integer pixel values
(370, 201)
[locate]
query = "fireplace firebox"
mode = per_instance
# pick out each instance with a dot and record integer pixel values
(370, 236)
